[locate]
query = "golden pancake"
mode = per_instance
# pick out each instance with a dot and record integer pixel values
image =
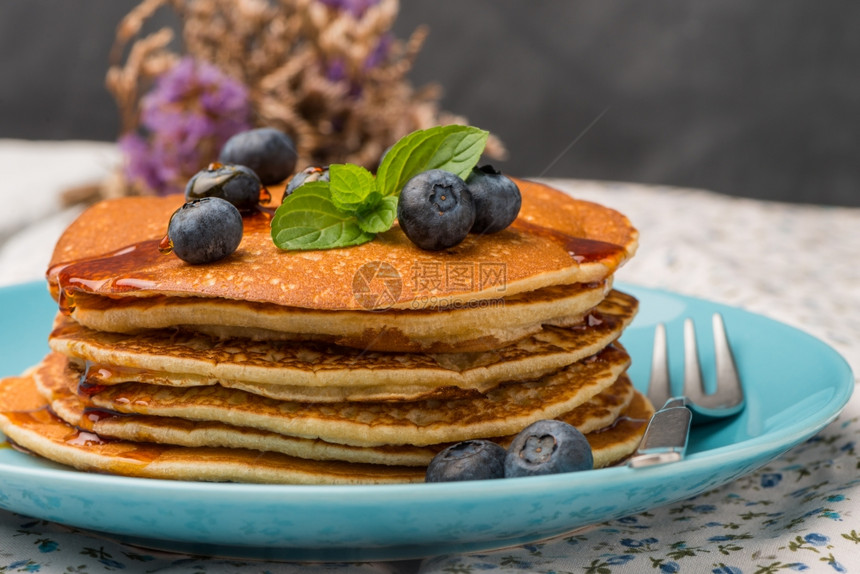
(112, 250)
(477, 326)
(503, 410)
(596, 414)
(315, 372)
(26, 420)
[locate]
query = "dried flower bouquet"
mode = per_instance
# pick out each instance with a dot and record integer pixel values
(329, 73)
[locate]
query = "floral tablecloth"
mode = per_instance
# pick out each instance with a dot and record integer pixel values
(796, 264)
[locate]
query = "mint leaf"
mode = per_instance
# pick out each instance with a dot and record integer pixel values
(380, 217)
(309, 219)
(453, 148)
(354, 205)
(351, 187)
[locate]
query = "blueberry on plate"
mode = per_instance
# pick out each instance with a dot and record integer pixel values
(237, 184)
(205, 230)
(497, 199)
(269, 152)
(467, 460)
(436, 210)
(307, 175)
(548, 447)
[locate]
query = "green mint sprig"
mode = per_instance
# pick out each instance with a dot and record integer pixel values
(354, 206)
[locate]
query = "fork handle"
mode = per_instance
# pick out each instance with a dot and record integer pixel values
(665, 439)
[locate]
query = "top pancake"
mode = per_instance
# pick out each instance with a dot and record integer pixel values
(111, 250)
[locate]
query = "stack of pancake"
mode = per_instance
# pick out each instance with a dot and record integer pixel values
(342, 366)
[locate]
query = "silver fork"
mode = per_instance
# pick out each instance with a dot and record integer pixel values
(665, 439)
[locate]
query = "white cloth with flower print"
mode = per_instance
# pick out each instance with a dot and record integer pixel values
(800, 513)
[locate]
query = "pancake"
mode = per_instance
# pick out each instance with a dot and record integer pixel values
(479, 326)
(341, 366)
(111, 250)
(598, 413)
(503, 410)
(316, 372)
(26, 419)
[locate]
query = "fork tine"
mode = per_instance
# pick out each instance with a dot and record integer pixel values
(694, 388)
(728, 398)
(729, 391)
(659, 389)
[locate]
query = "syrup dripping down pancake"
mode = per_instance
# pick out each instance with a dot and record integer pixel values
(320, 373)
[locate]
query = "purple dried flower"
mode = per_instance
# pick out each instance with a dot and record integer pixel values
(336, 69)
(380, 52)
(193, 109)
(139, 164)
(355, 7)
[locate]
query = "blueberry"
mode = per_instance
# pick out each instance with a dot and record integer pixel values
(547, 447)
(235, 183)
(497, 199)
(205, 230)
(435, 210)
(307, 175)
(269, 152)
(468, 460)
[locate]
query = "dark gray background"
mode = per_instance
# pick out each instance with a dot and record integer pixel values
(757, 99)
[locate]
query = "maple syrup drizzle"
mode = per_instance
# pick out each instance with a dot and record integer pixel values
(581, 249)
(88, 382)
(66, 302)
(125, 270)
(95, 378)
(77, 436)
(116, 272)
(88, 386)
(80, 437)
(165, 246)
(92, 415)
(30, 417)
(265, 196)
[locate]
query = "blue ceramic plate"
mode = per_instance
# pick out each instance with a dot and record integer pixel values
(795, 386)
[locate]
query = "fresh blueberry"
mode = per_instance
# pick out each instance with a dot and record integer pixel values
(435, 210)
(235, 183)
(205, 230)
(548, 447)
(307, 175)
(467, 460)
(269, 152)
(497, 199)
